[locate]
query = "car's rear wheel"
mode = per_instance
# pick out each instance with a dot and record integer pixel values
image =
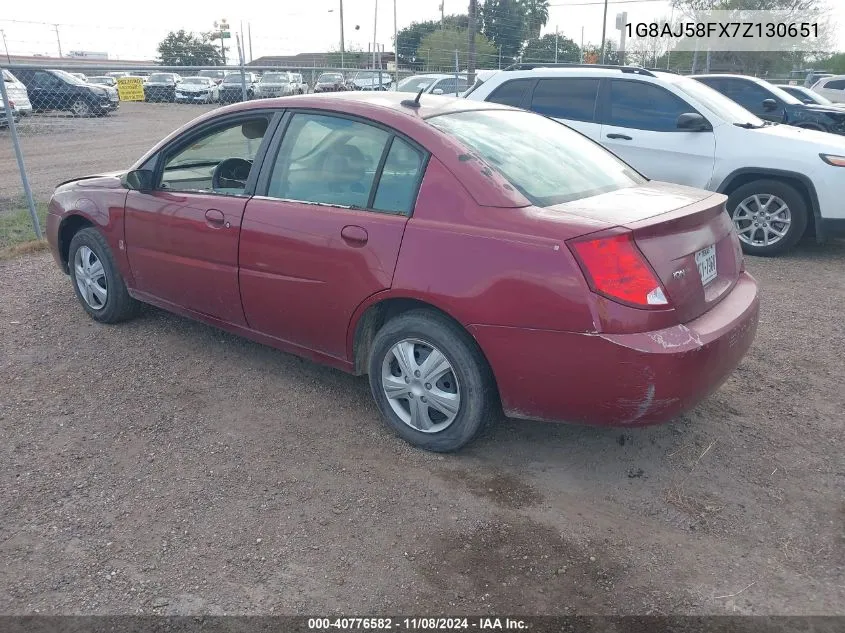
(82, 108)
(770, 216)
(430, 381)
(97, 280)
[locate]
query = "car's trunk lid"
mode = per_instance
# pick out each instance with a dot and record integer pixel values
(682, 232)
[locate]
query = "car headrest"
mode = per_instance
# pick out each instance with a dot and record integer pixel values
(254, 128)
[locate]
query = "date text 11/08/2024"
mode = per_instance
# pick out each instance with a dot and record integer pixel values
(416, 624)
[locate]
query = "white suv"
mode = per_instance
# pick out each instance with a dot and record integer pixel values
(832, 87)
(781, 181)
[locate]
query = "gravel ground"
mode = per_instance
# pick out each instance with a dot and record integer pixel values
(57, 147)
(162, 466)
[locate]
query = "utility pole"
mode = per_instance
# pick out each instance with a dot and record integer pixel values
(249, 34)
(603, 32)
(342, 45)
(473, 25)
(242, 42)
(582, 44)
(58, 39)
(375, 24)
(6, 46)
(621, 21)
(442, 8)
(395, 48)
(557, 34)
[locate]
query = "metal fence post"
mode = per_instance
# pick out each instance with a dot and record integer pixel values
(243, 68)
(13, 131)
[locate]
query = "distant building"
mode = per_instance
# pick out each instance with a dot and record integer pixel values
(87, 55)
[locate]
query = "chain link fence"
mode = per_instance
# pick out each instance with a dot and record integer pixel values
(57, 123)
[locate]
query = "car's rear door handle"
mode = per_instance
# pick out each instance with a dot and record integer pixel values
(215, 218)
(623, 137)
(355, 236)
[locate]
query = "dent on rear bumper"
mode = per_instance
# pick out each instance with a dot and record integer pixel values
(626, 379)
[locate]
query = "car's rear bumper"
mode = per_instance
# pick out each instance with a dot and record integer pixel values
(621, 379)
(827, 228)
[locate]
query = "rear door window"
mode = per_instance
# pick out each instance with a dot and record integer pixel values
(511, 93)
(573, 98)
(836, 84)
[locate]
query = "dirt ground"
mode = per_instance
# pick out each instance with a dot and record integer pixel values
(57, 147)
(162, 466)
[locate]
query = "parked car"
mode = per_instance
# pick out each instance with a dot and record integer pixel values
(781, 181)
(342, 236)
(807, 95)
(117, 74)
(370, 80)
(231, 89)
(80, 76)
(435, 83)
(197, 90)
(4, 119)
(813, 77)
(770, 103)
(17, 94)
(215, 75)
(275, 84)
(298, 84)
(832, 88)
(59, 90)
(111, 82)
(330, 82)
(161, 87)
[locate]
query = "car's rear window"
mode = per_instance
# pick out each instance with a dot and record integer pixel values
(546, 161)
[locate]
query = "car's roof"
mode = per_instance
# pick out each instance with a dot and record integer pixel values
(731, 75)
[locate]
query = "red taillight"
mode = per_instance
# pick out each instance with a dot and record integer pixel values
(616, 268)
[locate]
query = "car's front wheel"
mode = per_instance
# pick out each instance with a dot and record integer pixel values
(81, 108)
(431, 381)
(770, 216)
(97, 280)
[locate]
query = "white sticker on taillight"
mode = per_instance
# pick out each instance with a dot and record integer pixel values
(656, 297)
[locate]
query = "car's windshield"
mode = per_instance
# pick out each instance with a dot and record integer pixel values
(211, 73)
(275, 78)
(415, 84)
(204, 81)
(66, 76)
(106, 81)
(546, 161)
(783, 95)
(161, 78)
(815, 97)
(234, 78)
(326, 78)
(726, 109)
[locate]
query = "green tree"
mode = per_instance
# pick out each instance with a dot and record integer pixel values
(351, 58)
(437, 50)
(536, 17)
(503, 23)
(411, 36)
(181, 48)
(543, 50)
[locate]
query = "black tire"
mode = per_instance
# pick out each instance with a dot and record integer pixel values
(479, 399)
(119, 306)
(797, 209)
(82, 108)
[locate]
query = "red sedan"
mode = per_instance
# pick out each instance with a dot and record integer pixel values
(466, 256)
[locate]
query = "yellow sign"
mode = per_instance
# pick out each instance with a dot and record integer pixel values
(130, 88)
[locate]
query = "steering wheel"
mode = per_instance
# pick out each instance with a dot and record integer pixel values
(231, 173)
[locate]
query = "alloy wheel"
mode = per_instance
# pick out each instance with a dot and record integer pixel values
(762, 220)
(421, 386)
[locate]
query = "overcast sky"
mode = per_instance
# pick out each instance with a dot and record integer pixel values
(280, 27)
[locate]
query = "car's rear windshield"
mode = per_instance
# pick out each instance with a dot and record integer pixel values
(275, 78)
(234, 78)
(161, 77)
(544, 160)
(196, 80)
(327, 77)
(415, 84)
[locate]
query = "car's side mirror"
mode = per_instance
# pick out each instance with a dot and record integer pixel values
(770, 105)
(693, 122)
(437, 91)
(139, 180)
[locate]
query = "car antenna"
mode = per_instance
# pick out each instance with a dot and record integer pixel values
(415, 103)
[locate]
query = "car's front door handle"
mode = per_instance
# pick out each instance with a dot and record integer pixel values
(623, 137)
(215, 218)
(355, 236)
